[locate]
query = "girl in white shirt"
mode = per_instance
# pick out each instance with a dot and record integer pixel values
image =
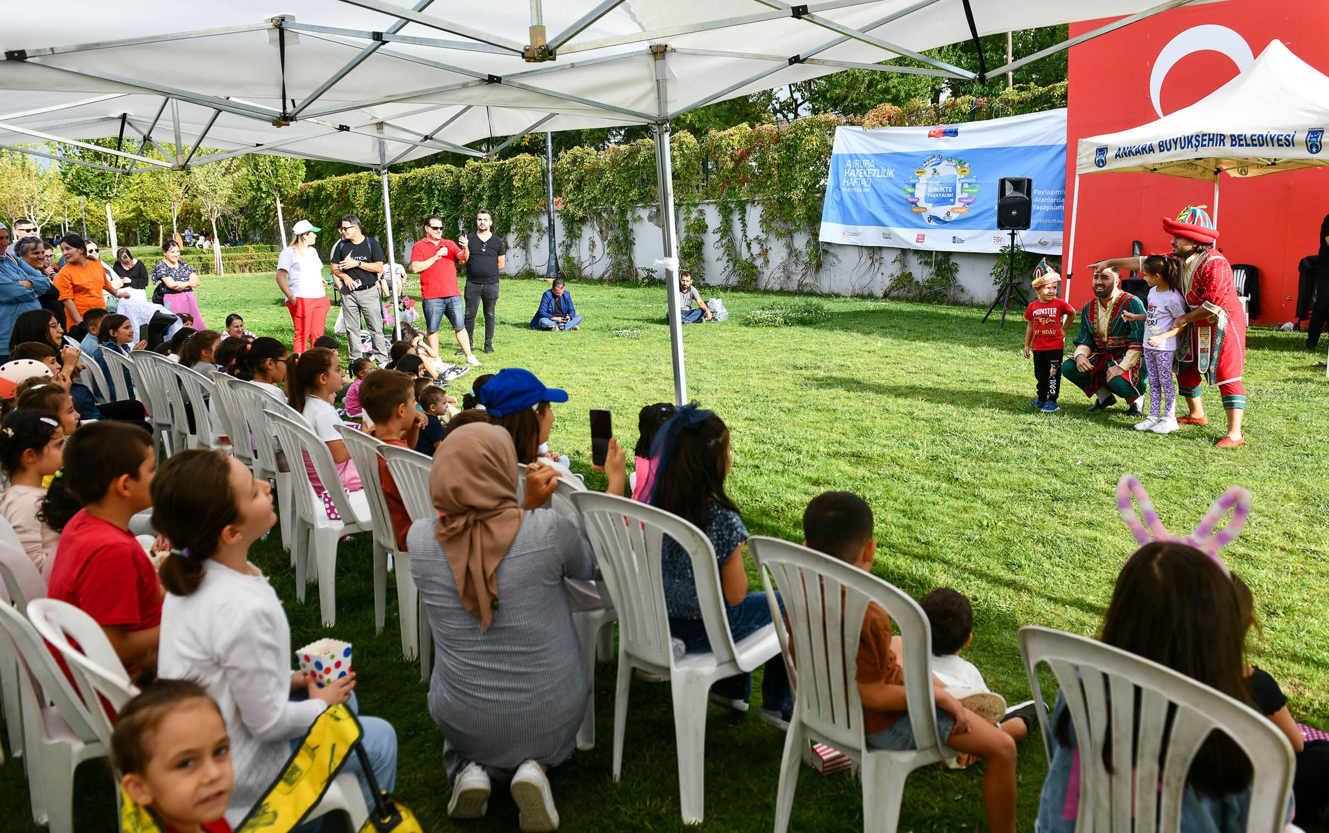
(263, 362)
(300, 279)
(312, 382)
(223, 625)
(31, 445)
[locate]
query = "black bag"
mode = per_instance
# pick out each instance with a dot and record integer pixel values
(159, 294)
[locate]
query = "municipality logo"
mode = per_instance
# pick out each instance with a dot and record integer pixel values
(957, 240)
(1100, 156)
(1315, 140)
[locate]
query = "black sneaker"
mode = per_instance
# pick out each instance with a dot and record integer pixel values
(489, 348)
(1101, 405)
(1027, 712)
(459, 352)
(1134, 410)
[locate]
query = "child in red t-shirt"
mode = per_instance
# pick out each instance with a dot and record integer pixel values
(100, 567)
(171, 745)
(1045, 337)
(388, 397)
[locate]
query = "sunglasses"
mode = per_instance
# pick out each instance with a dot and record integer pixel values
(434, 228)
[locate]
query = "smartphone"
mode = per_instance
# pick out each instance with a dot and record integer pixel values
(602, 429)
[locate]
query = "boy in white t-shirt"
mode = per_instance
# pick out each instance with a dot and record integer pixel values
(952, 620)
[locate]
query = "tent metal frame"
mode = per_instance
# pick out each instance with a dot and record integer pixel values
(540, 49)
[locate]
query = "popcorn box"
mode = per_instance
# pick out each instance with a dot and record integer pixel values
(325, 660)
(825, 759)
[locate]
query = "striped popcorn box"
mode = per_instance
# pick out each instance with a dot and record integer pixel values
(825, 759)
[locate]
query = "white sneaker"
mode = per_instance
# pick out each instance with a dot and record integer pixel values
(470, 793)
(472, 360)
(531, 793)
(1147, 424)
(1164, 426)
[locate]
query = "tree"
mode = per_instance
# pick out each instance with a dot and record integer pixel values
(29, 190)
(214, 185)
(264, 179)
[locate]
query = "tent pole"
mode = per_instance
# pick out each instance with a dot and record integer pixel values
(1215, 217)
(551, 265)
(664, 173)
(392, 257)
(1069, 265)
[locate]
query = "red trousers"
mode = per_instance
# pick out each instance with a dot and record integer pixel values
(310, 316)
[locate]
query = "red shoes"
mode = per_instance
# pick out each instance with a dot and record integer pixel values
(1228, 442)
(1190, 420)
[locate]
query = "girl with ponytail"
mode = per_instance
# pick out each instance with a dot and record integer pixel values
(313, 379)
(223, 625)
(263, 362)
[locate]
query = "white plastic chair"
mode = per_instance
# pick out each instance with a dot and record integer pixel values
(364, 451)
(1143, 793)
(8, 535)
(200, 391)
(20, 582)
(92, 373)
(153, 375)
(232, 418)
(120, 365)
(410, 471)
(628, 539)
(253, 401)
(594, 622)
(57, 728)
(94, 665)
(313, 529)
(825, 600)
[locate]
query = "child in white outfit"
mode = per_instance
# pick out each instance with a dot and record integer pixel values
(1166, 305)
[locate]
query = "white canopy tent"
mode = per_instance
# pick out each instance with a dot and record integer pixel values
(374, 83)
(1269, 119)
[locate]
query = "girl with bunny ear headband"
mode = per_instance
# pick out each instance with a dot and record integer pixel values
(1205, 539)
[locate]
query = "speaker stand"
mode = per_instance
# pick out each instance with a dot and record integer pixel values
(1007, 289)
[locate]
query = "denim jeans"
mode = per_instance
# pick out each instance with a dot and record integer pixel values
(551, 324)
(745, 618)
(693, 316)
(436, 309)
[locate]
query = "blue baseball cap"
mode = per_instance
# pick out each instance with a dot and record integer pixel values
(514, 389)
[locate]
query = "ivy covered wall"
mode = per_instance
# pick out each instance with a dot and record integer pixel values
(752, 193)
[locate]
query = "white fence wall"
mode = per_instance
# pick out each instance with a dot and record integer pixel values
(848, 270)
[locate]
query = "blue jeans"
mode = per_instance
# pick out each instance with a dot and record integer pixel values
(550, 324)
(899, 736)
(745, 618)
(693, 316)
(436, 308)
(380, 744)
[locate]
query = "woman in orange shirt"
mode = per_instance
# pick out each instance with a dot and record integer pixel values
(81, 281)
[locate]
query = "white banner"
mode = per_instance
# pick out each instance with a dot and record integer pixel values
(935, 188)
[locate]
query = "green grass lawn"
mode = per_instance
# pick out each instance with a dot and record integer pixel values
(923, 411)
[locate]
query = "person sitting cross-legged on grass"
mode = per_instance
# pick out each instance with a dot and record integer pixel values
(438, 409)
(556, 313)
(509, 686)
(687, 296)
(224, 627)
(693, 458)
(840, 524)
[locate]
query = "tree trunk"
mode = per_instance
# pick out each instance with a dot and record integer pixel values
(216, 248)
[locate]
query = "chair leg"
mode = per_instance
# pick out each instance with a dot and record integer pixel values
(300, 540)
(790, 764)
(56, 782)
(883, 793)
(621, 689)
(13, 708)
(426, 637)
(407, 609)
(691, 696)
(380, 585)
(325, 553)
(587, 635)
(285, 508)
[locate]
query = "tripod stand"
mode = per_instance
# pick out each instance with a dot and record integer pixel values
(1007, 289)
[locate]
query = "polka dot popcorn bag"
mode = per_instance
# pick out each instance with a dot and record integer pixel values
(325, 660)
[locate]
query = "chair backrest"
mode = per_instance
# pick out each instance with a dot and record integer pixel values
(232, 418)
(70, 341)
(561, 500)
(92, 377)
(47, 685)
(410, 471)
(825, 600)
(152, 370)
(628, 538)
(253, 400)
(7, 533)
(120, 365)
(93, 664)
(1157, 720)
(293, 432)
(199, 391)
(1242, 273)
(176, 399)
(20, 580)
(364, 451)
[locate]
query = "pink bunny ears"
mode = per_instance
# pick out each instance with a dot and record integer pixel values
(1235, 500)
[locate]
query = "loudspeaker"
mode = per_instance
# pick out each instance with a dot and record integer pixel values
(1015, 203)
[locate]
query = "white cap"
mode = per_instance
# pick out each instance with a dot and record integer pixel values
(304, 227)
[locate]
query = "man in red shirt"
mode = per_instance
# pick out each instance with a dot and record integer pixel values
(435, 260)
(100, 567)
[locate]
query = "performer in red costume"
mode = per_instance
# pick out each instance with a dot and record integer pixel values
(1214, 346)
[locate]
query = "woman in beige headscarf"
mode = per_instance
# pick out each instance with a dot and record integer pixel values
(509, 686)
